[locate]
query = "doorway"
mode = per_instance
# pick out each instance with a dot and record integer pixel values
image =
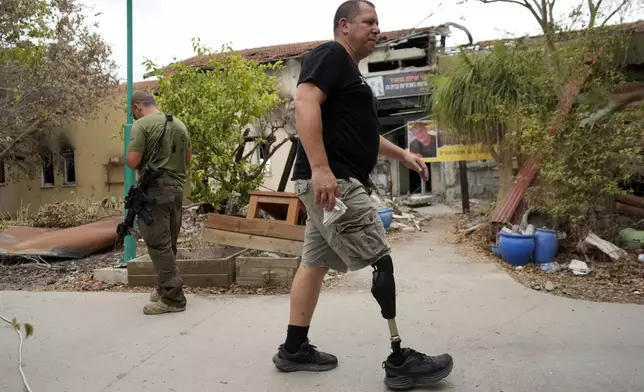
(416, 182)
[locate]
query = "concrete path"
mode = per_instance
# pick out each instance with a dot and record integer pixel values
(503, 336)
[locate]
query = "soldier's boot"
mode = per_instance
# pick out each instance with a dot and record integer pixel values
(160, 307)
(154, 296)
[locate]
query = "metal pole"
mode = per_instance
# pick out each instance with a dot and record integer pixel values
(130, 177)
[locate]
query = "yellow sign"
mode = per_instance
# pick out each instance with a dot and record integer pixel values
(426, 141)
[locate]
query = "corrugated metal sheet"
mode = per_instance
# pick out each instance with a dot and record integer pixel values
(504, 212)
(71, 243)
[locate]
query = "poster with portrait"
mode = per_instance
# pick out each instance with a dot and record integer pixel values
(425, 140)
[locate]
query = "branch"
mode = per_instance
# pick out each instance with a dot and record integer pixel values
(17, 329)
(521, 3)
(261, 167)
(495, 155)
(17, 140)
(619, 7)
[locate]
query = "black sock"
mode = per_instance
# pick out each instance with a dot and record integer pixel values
(295, 338)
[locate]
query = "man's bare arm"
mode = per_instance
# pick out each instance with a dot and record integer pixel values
(410, 160)
(391, 150)
(308, 117)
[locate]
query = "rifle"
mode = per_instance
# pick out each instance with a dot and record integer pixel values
(136, 201)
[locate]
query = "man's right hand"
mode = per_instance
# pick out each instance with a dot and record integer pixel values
(325, 187)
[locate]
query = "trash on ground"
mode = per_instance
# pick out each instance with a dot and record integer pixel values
(550, 267)
(578, 267)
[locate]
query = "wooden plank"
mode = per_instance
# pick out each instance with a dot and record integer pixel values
(275, 273)
(273, 200)
(264, 276)
(259, 282)
(188, 280)
(630, 200)
(243, 240)
(273, 194)
(262, 227)
(189, 267)
(268, 262)
(625, 209)
(253, 210)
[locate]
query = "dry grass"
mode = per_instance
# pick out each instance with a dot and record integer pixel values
(64, 214)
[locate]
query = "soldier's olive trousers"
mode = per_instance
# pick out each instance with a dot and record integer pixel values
(161, 239)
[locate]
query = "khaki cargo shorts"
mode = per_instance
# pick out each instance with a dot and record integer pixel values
(354, 241)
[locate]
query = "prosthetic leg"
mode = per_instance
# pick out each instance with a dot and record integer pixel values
(404, 368)
(383, 289)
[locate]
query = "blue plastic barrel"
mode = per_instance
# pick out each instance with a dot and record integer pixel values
(516, 249)
(546, 246)
(386, 215)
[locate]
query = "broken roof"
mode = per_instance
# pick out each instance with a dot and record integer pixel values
(266, 54)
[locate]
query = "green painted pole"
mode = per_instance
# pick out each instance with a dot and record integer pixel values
(130, 177)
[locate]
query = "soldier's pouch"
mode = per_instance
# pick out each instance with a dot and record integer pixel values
(161, 198)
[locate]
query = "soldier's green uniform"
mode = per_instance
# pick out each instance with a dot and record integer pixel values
(166, 197)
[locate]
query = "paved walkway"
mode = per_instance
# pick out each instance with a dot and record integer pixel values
(503, 336)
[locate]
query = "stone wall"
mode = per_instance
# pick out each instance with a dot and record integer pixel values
(482, 178)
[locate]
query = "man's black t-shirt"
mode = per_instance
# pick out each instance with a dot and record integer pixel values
(350, 127)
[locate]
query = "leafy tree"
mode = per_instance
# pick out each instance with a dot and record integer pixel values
(537, 98)
(227, 103)
(54, 69)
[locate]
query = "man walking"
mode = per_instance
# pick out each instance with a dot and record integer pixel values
(338, 127)
(161, 140)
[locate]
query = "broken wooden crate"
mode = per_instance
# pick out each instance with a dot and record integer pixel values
(260, 234)
(266, 271)
(208, 267)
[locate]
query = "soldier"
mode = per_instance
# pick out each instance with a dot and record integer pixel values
(162, 141)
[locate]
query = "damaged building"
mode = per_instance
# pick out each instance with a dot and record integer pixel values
(397, 71)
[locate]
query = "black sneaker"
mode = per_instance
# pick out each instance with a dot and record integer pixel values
(416, 370)
(307, 358)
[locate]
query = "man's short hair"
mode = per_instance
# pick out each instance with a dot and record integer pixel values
(349, 10)
(143, 98)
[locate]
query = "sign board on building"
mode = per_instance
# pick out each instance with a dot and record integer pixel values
(428, 142)
(399, 84)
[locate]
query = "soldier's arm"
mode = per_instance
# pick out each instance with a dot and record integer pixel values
(188, 150)
(136, 147)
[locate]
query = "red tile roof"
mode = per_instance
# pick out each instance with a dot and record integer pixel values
(281, 52)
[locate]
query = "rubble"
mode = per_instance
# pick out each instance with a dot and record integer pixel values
(408, 220)
(193, 222)
(613, 251)
(419, 200)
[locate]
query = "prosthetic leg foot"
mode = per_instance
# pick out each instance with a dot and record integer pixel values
(405, 368)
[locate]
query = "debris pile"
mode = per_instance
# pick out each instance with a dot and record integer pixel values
(192, 222)
(72, 213)
(405, 218)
